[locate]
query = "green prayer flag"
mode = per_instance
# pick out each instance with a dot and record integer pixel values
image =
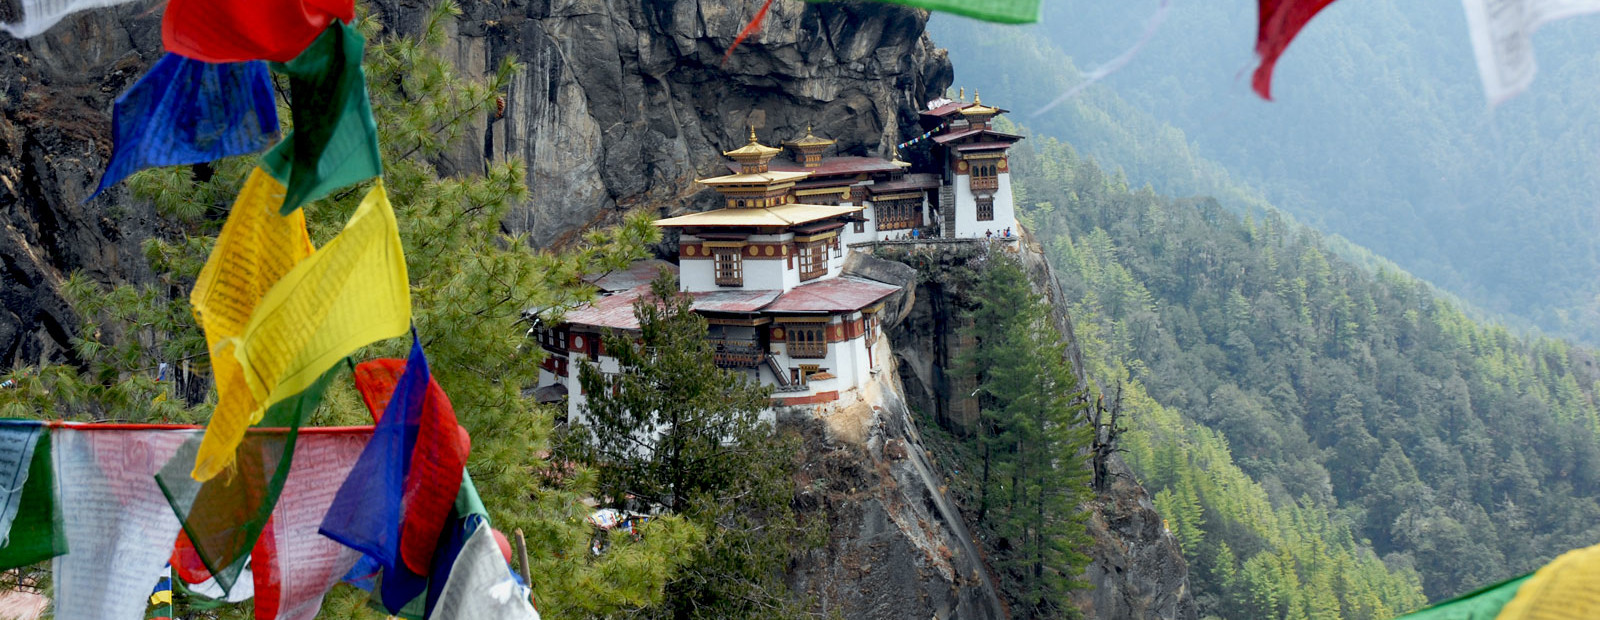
(1481, 604)
(1001, 11)
(37, 533)
(224, 516)
(334, 142)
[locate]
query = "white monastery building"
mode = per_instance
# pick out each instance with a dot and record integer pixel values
(765, 268)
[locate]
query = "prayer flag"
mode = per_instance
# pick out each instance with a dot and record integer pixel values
(256, 248)
(185, 112)
(1001, 11)
(1502, 32)
(481, 584)
(348, 294)
(301, 565)
(238, 30)
(37, 533)
(1280, 21)
(222, 517)
(1564, 589)
(118, 524)
(398, 498)
(439, 452)
(334, 142)
(1482, 604)
(161, 596)
(413, 597)
(39, 15)
(17, 442)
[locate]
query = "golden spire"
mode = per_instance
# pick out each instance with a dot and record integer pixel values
(753, 134)
(977, 98)
(961, 94)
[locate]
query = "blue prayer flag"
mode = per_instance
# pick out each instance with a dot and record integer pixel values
(366, 512)
(185, 111)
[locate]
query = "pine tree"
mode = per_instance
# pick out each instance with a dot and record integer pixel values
(471, 284)
(672, 431)
(1034, 437)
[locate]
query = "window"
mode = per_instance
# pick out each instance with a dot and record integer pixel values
(807, 340)
(838, 248)
(730, 267)
(899, 214)
(985, 208)
(985, 176)
(861, 226)
(813, 259)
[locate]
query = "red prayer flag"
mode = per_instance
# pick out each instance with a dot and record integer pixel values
(1280, 21)
(434, 476)
(239, 30)
(263, 567)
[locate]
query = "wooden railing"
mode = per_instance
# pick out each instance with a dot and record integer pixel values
(985, 183)
(732, 353)
(808, 349)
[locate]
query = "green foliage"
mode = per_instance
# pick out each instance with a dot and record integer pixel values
(670, 430)
(1379, 133)
(470, 286)
(1320, 414)
(1029, 461)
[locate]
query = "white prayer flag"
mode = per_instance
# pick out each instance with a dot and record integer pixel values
(119, 527)
(16, 452)
(480, 586)
(39, 15)
(309, 564)
(1502, 32)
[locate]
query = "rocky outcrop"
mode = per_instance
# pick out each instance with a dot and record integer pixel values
(1136, 568)
(898, 546)
(621, 106)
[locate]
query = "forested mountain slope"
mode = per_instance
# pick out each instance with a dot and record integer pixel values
(1297, 414)
(1379, 133)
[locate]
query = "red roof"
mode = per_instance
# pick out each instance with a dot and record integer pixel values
(613, 311)
(941, 139)
(733, 300)
(910, 182)
(841, 294)
(832, 166)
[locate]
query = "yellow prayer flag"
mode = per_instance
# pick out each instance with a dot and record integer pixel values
(350, 293)
(1564, 589)
(256, 248)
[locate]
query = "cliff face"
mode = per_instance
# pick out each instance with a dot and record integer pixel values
(1136, 569)
(621, 106)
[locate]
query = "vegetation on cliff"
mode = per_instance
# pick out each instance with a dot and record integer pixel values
(471, 284)
(673, 432)
(1019, 467)
(1301, 417)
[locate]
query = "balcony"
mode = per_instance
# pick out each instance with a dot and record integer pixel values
(985, 183)
(733, 353)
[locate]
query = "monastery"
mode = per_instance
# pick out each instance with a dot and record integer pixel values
(765, 269)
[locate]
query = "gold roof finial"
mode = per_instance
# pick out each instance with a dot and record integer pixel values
(976, 98)
(961, 95)
(752, 134)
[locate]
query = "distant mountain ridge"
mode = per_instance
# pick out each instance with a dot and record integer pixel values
(1380, 134)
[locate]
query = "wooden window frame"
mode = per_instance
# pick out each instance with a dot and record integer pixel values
(985, 208)
(806, 340)
(728, 266)
(813, 259)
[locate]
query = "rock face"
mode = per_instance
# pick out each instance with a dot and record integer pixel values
(621, 106)
(1136, 569)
